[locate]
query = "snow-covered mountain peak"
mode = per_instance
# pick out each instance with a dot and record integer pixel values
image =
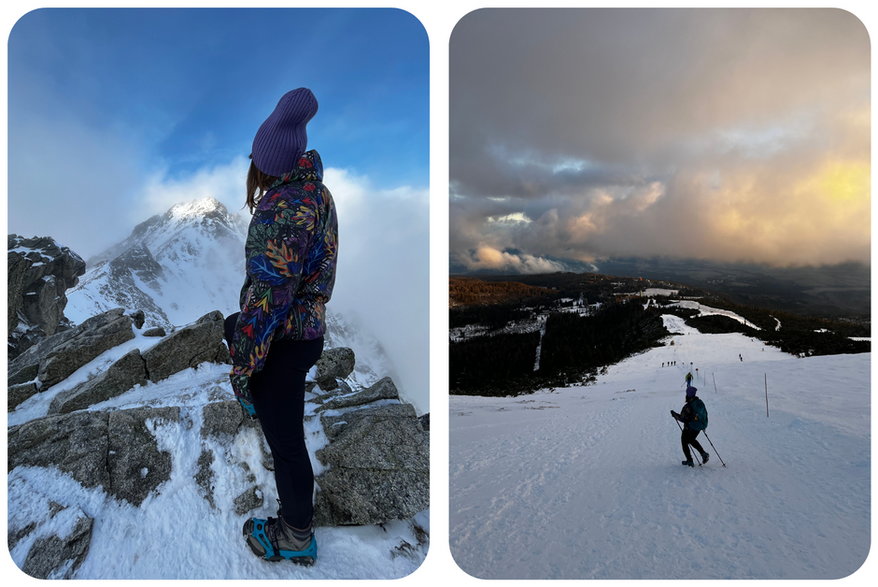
(175, 266)
(184, 263)
(200, 208)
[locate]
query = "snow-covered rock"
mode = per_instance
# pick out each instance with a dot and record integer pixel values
(334, 364)
(39, 273)
(149, 438)
(378, 466)
(55, 358)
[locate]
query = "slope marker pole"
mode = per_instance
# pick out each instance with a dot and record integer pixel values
(766, 395)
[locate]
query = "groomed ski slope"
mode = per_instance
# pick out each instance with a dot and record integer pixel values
(586, 482)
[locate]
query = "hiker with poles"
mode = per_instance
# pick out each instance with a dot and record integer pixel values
(694, 419)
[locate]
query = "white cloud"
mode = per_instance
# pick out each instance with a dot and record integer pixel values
(383, 270)
(487, 257)
(224, 182)
(71, 181)
(512, 218)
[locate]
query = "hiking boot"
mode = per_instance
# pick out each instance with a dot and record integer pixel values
(705, 457)
(273, 539)
(688, 463)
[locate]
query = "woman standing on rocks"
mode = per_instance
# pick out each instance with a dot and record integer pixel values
(277, 336)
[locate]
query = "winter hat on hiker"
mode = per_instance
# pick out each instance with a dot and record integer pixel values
(282, 139)
(690, 391)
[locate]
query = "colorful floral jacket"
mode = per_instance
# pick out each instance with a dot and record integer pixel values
(291, 251)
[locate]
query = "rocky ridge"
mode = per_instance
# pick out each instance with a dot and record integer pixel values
(101, 403)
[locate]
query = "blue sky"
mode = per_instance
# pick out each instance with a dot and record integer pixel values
(117, 114)
(108, 104)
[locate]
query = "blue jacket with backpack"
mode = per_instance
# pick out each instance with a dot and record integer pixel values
(694, 414)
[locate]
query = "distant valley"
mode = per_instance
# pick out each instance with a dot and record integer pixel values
(515, 334)
(833, 291)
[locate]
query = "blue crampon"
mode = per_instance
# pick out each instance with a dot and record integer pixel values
(257, 535)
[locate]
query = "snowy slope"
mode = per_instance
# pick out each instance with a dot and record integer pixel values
(176, 534)
(586, 482)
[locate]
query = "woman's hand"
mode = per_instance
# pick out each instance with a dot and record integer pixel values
(241, 387)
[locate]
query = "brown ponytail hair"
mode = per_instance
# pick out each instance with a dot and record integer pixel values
(257, 184)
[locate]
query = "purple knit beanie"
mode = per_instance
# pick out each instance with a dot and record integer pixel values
(281, 139)
(690, 391)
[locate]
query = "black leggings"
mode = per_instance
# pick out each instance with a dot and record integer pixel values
(278, 392)
(689, 438)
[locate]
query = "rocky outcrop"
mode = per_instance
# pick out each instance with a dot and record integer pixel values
(383, 389)
(137, 466)
(221, 424)
(334, 364)
(19, 392)
(59, 544)
(57, 357)
(121, 376)
(76, 444)
(223, 418)
(115, 450)
(39, 273)
(138, 262)
(375, 461)
(378, 467)
(188, 347)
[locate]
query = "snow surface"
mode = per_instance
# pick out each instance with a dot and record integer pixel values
(708, 311)
(175, 533)
(586, 482)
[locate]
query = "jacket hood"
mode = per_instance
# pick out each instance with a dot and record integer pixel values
(308, 168)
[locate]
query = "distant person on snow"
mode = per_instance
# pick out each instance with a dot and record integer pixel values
(694, 419)
(277, 336)
(689, 379)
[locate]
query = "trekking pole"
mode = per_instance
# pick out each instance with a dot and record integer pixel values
(697, 457)
(714, 448)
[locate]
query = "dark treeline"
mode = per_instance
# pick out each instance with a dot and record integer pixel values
(502, 364)
(716, 324)
(468, 291)
(797, 335)
(494, 317)
(573, 349)
(575, 346)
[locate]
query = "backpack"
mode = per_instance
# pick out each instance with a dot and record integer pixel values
(700, 420)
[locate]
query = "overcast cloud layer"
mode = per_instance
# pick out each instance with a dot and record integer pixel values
(733, 135)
